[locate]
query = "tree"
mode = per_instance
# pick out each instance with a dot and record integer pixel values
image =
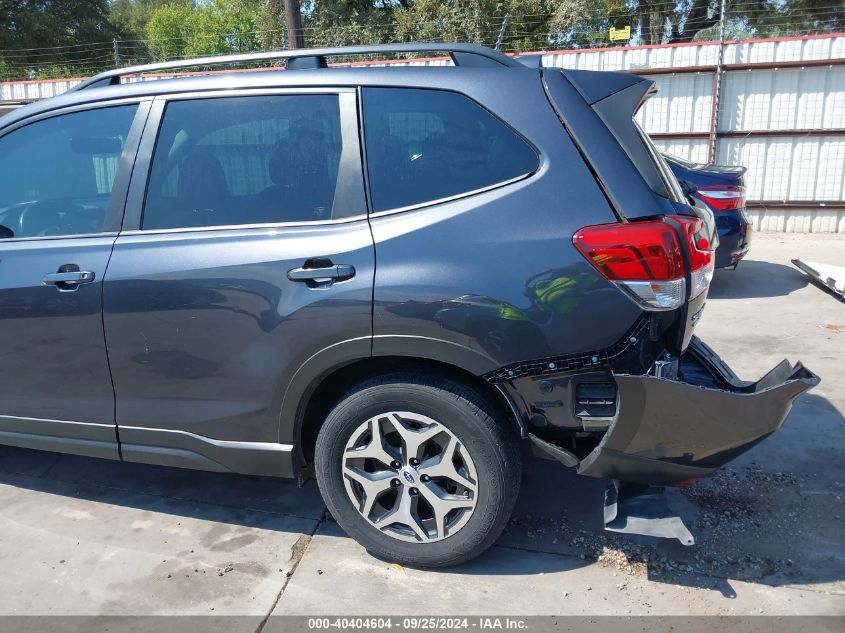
(586, 23)
(169, 31)
(212, 28)
(270, 25)
(186, 29)
(75, 35)
(477, 21)
(341, 22)
(129, 18)
(701, 15)
(697, 20)
(52, 23)
(293, 18)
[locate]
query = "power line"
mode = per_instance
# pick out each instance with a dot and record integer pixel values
(538, 31)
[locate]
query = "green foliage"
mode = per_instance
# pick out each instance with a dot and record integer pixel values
(339, 22)
(214, 27)
(74, 37)
(58, 72)
(69, 32)
(271, 23)
(476, 21)
(130, 18)
(51, 23)
(169, 31)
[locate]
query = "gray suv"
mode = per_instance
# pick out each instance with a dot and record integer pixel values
(391, 279)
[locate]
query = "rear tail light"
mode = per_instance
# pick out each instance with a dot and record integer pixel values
(646, 259)
(722, 197)
(700, 252)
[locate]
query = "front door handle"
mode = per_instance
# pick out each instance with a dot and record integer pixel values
(322, 274)
(68, 280)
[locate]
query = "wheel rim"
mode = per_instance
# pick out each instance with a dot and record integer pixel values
(410, 477)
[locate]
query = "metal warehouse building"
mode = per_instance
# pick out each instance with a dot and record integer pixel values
(776, 106)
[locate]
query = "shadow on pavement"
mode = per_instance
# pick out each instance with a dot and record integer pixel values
(751, 521)
(756, 279)
(233, 499)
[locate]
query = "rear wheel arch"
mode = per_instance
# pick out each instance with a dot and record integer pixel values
(328, 376)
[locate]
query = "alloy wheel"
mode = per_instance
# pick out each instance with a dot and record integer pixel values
(410, 477)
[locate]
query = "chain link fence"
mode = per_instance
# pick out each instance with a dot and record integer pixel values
(531, 25)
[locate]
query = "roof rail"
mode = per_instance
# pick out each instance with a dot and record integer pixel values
(473, 55)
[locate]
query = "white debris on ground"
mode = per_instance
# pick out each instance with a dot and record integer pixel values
(729, 519)
(827, 275)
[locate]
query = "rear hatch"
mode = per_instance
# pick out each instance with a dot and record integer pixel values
(686, 414)
(661, 252)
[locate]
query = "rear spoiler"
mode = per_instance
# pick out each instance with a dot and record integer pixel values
(532, 61)
(594, 85)
(597, 109)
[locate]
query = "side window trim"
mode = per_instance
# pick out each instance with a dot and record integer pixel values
(120, 188)
(117, 196)
(349, 190)
(457, 196)
(350, 184)
(141, 169)
(362, 144)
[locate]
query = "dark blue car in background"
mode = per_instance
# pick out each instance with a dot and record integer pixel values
(722, 188)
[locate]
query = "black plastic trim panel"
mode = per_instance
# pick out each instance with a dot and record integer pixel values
(572, 362)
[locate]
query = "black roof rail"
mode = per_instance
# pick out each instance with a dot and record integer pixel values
(473, 55)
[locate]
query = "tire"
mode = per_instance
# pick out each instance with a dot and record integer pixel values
(485, 445)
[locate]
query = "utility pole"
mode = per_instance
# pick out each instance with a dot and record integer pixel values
(116, 51)
(717, 87)
(293, 18)
(502, 31)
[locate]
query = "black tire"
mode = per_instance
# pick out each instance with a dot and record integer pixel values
(488, 436)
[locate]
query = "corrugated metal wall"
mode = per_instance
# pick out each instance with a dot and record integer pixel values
(781, 113)
(31, 90)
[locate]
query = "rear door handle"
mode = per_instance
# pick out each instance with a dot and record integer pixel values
(335, 272)
(68, 280)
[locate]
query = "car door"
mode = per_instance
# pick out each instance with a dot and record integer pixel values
(63, 182)
(245, 251)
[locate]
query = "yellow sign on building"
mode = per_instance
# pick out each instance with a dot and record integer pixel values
(620, 35)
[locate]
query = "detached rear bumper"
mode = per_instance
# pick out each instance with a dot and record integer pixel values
(668, 431)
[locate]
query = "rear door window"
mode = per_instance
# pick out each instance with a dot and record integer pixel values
(56, 174)
(245, 160)
(428, 145)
